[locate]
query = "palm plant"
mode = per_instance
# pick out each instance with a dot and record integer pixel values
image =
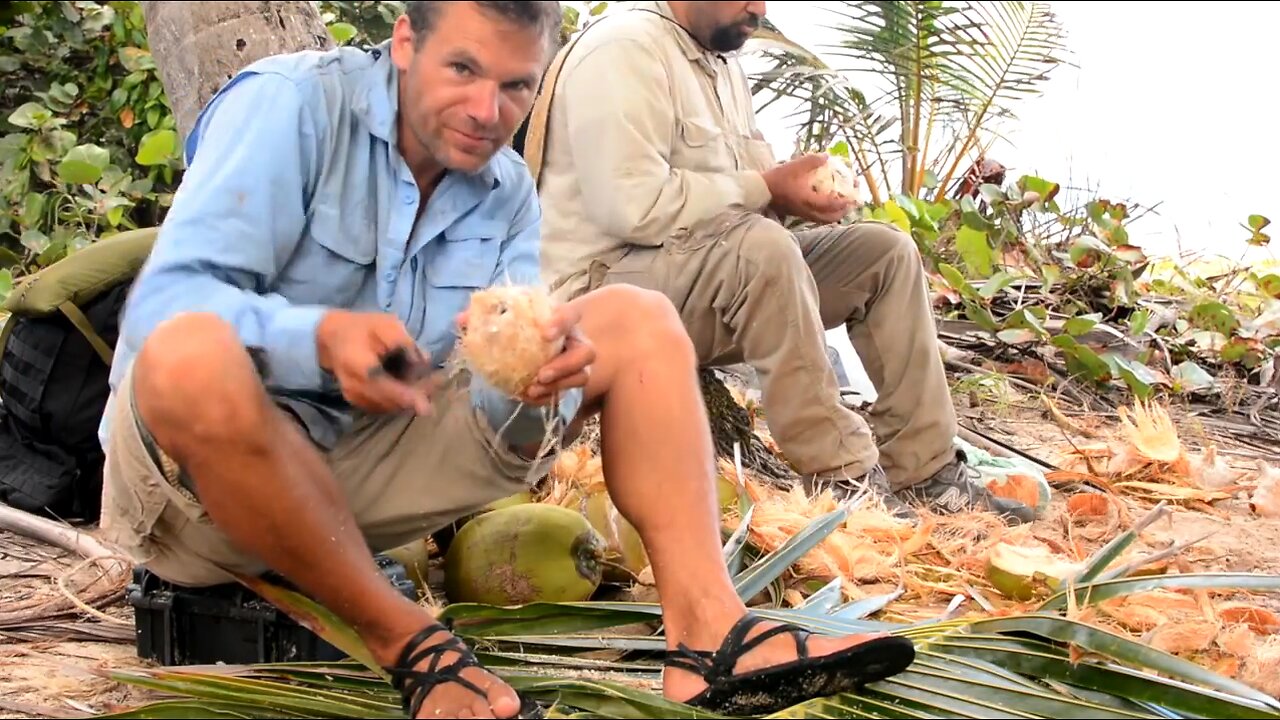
(947, 72)
(1042, 664)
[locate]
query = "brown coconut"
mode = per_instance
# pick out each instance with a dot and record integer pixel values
(503, 341)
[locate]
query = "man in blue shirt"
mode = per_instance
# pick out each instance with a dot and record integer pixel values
(340, 208)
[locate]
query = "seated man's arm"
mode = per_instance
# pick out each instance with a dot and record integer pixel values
(621, 127)
(238, 214)
(519, 265)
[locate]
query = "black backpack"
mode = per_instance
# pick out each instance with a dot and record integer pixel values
(55, 360)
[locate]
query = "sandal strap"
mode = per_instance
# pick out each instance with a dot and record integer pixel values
(719, 665)
(415, 685)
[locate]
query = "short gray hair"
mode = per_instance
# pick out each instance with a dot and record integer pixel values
(543, 15)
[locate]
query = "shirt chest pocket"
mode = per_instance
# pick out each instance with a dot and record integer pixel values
(701, 146)
(459, 262)
(465, 257)
(333, 266)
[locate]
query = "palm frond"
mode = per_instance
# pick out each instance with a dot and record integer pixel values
(829, 107)
(932, 79)
(1019, 44)
(1038, 665)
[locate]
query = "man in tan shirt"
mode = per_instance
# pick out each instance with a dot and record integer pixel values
(654, 173)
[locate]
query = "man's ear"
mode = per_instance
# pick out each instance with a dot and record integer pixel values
(402, 43)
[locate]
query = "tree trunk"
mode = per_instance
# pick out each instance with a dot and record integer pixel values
(199, 46)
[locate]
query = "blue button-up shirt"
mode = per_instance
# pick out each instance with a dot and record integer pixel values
(296, 200)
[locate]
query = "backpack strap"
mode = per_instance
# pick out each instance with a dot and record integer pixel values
(77, 318)
(535, 143)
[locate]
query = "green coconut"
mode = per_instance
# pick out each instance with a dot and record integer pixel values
(444, 537)
(1023, 573)
(726, 492)
(525, 553)
(624, 549)
(520, 498)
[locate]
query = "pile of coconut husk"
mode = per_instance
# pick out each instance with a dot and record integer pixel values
(1148, 461)
(973, 564)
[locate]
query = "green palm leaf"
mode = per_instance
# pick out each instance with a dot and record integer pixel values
(1016, 667)
(932, 79)
(602, 659)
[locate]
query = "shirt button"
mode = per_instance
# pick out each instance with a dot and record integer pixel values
(389, 276)
(408, 199)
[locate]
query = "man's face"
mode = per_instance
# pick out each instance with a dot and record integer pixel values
(468, 86)
(725, 26)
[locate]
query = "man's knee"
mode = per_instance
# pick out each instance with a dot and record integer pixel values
(889, 243)
(193, 377)
(642, 320)
(772, 254)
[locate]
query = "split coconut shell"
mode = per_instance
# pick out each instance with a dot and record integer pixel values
(523, 554)
(1022, 573)
(503, 341)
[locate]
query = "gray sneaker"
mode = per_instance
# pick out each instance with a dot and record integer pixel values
(844, 487)
(956, 488)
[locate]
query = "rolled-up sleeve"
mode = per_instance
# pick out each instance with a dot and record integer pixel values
(239, 213)
(617, 101)
(519, 265)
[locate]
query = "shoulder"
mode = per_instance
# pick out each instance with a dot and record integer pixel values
(316, 85)
(627, 34)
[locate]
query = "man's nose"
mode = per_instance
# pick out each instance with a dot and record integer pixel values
(483, 105)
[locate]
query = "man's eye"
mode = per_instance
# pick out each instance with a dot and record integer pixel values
(461, 69)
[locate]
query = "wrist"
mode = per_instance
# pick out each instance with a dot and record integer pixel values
(323, 330)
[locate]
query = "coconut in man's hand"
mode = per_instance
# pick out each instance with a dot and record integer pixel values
(503, 340)
(835, 178)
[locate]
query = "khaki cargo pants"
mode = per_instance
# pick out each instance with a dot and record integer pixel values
(404, 478)
(749, 290)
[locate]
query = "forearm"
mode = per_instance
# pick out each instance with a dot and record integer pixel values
(650, 210)
(282, 335)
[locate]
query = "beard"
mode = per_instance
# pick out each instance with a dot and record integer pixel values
(730, 38)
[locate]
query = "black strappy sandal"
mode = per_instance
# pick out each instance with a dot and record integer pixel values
(770, 689)
(415, 685)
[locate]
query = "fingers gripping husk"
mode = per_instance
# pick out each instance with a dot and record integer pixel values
(503, 344)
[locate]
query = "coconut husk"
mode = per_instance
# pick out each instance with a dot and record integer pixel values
(1149, 461)
(502, 341)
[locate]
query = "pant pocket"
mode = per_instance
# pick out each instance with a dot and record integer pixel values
(130, 511)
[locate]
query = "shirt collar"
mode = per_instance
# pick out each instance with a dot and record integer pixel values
(693, 50)
(379, 101)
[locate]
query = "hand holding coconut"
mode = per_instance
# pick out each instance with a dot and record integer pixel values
(355, 347)
(524, 344)
(812, 187)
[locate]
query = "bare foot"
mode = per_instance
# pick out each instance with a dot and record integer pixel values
(450, 698)
(682, 685)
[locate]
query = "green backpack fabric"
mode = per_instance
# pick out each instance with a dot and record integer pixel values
(56, 350)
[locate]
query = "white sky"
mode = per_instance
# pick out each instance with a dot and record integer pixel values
(1169, 104)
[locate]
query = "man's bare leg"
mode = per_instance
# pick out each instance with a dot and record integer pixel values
(659, 467)
(269, 490)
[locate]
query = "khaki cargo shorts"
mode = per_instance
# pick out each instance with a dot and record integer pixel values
(404, 477)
